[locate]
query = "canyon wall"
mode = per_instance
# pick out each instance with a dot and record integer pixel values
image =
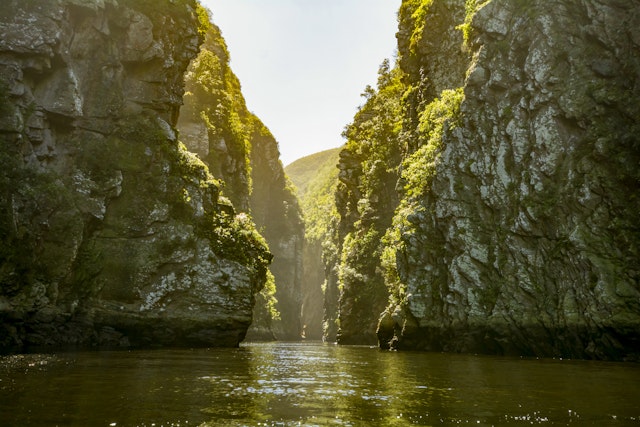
(113, 234)
(241, 151)
(516, 172)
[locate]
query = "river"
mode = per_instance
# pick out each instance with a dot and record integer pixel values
(311, 384)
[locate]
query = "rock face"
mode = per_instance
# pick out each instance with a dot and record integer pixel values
(365, 199)
(509, 133)
(240, 150)
(276, 212)
(113, 234)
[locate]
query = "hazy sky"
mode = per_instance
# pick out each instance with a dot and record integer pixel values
(303, 63)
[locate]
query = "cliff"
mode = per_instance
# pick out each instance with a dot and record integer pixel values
(365, 199)
(240, 150)
(113, 233)
(515, 168)
(315, 178)
(276, 210)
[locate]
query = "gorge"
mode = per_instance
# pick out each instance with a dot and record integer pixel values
(485, 200)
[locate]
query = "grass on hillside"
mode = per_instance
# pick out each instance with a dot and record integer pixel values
(310, 168)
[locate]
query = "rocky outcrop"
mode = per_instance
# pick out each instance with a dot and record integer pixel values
(239, 149)
(490, 182)
(517, 230)
(113, 234)
(365, 200)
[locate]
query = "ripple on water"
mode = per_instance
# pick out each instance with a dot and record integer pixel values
(307, 385)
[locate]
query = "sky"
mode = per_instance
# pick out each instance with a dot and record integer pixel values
(303, 64)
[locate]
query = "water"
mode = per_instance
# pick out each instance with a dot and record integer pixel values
(283, 384)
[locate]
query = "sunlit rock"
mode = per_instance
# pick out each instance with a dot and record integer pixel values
(521, 236)
(113, 234)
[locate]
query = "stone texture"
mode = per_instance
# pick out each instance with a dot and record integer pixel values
(113, 234)
(526, 239)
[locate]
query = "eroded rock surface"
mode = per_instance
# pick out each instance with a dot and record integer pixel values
(523, 238)
(488, 189)
(113, 234)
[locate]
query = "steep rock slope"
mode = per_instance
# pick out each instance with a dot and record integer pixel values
(276, 211)
(521, 235)
(366, 199)
(113, 234)
(315, 178)
(214, 121)
(517, 231)
(240, 150)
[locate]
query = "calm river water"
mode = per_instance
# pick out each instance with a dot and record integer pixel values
(284, 384)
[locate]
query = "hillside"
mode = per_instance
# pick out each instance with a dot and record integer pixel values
(315, 178)
(311, 168)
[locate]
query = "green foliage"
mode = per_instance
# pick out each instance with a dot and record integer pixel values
(419, 168)
(315, 178)
(392, 244)
(268, 293)
(374, 138)
(379, 120)
(213, 95)
(309, 168)
(366, 198)
(320, 211)
(415, 11)
(360, 252)
(471, 7)
(204, 20)
(236, 238)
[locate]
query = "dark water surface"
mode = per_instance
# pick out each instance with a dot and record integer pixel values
(311, 384)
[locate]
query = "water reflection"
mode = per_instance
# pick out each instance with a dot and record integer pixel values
(311, 384)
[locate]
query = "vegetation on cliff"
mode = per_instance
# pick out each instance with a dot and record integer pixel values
(214, 99)
(469, 187)
(365, 199)
(243, 154)
(315, 178)
(115, 234)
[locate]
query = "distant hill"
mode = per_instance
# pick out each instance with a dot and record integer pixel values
(309, 169)
(315, 178)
